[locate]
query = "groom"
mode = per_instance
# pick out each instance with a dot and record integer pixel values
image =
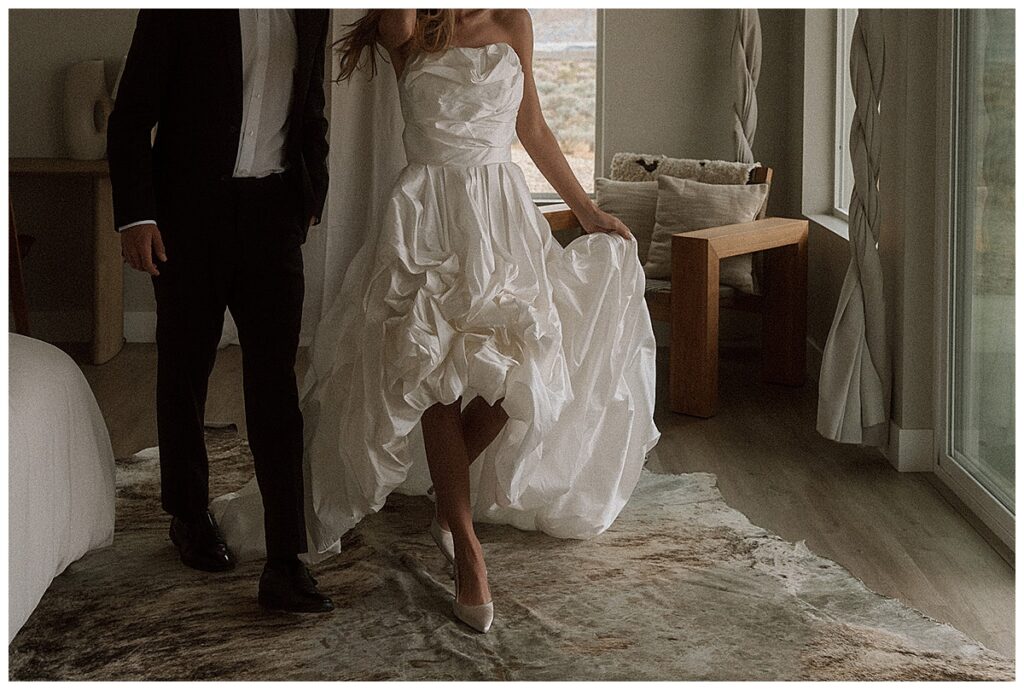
(216, 209)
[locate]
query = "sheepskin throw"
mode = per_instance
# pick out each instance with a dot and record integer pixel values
(681, 587)
(646, 167)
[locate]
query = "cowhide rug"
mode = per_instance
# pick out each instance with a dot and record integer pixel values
(681, 588)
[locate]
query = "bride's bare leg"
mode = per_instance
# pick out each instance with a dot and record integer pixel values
(448, 460)
(481, 424)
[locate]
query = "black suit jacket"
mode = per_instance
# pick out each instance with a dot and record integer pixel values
(184, 74)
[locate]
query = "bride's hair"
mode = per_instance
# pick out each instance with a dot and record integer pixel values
(434, 31)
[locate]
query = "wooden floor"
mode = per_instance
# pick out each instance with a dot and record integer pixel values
(894, 531)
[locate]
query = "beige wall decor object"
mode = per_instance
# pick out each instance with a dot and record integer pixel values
(855, 382)
(87, 105)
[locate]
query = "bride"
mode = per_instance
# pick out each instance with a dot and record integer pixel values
(461, 314)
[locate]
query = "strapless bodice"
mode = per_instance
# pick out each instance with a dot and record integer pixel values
(460, 105)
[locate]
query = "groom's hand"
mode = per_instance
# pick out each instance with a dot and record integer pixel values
(140, 245)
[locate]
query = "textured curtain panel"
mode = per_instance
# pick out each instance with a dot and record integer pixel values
(746, 68)
(366, 157)
(854, 389)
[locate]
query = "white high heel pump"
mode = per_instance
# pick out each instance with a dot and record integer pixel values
(479, 616)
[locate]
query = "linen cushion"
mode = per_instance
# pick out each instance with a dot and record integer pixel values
(634, 203)
(687, 205)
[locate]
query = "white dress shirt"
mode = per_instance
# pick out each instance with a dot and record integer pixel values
(269, 60)
(269, 57)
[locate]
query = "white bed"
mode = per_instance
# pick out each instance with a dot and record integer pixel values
(60, 472)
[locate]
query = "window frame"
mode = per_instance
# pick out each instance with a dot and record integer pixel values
(845, 19)
(1000, 521)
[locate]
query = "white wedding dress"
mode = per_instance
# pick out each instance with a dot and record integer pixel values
(463, 292)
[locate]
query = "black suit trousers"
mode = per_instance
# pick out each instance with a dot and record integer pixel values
(232, 244)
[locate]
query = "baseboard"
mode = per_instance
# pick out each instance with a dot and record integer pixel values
(911, 450)
(140, 326)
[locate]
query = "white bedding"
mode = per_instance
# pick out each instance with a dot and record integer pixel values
(60, 471)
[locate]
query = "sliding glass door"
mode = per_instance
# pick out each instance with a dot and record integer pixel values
(980, 443)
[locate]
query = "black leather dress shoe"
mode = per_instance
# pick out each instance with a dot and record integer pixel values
(288, 586)
(201, 545)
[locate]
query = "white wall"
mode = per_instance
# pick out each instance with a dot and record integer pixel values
(666, 85)
(909, 227)
(42, 43)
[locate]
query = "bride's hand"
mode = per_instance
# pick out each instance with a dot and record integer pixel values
(597, 220)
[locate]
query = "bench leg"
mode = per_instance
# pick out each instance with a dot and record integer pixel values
(784, 331)
(693, 375)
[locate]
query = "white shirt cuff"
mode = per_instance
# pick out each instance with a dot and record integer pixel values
(138, 222)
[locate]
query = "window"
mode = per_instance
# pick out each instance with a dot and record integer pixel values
(980, 363)
(843, 165)
(565, 69)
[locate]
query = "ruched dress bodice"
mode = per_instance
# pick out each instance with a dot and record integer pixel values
(460, 106)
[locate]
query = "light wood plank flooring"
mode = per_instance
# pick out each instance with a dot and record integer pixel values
(894, 531)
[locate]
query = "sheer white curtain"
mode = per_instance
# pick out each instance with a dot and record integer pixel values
(366, 155)
(855, 382)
